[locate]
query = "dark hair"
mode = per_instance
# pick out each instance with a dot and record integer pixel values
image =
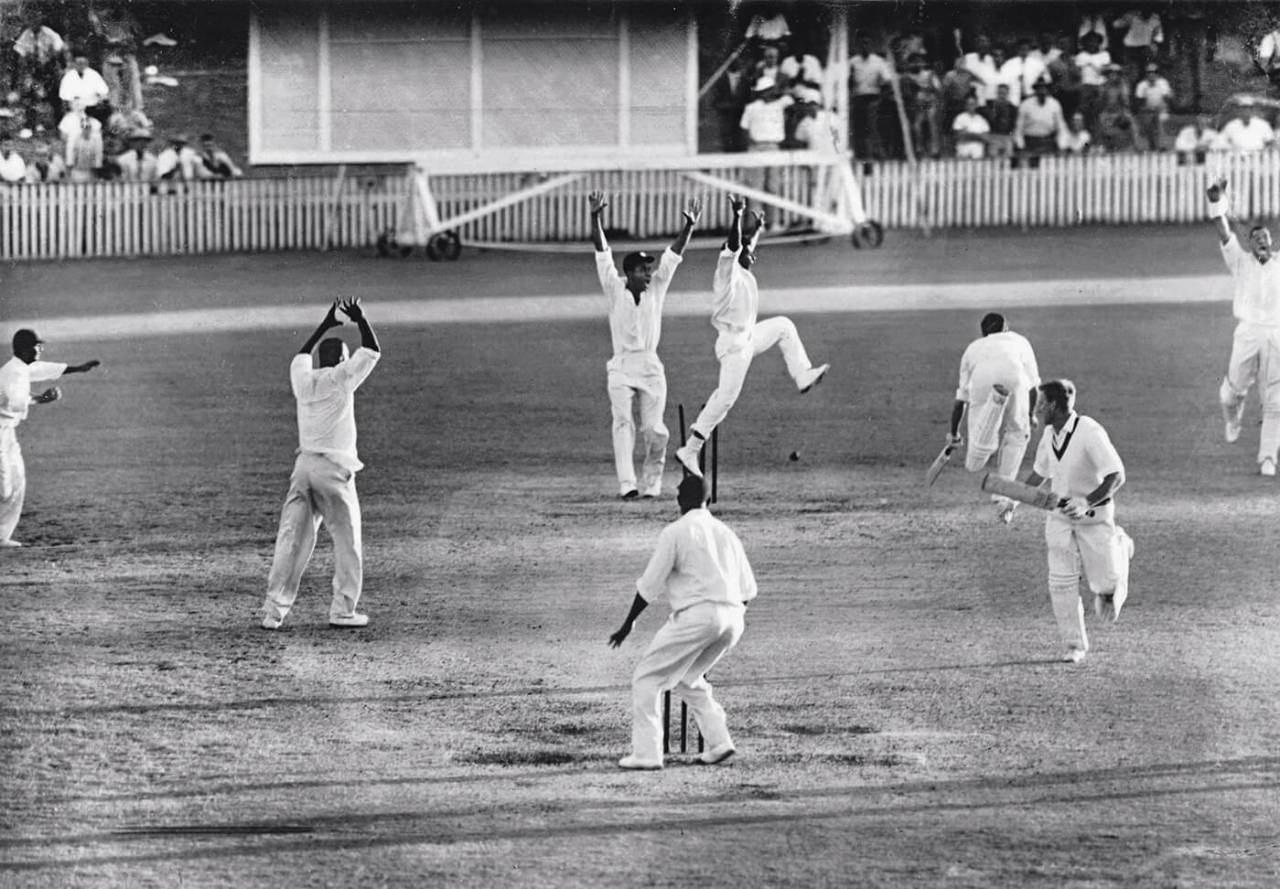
(1059, 393)
(992, 322)
(692, 491)
(1259, 228)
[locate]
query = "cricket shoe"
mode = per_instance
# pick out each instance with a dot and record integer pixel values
(271, 622)
(652, 491)
(1073, 655)
(716, 754)
(811, 377)
(349, 621)
(688, 457)
(636, 764)
(1267, 467)
(629, 494)
(9, 543)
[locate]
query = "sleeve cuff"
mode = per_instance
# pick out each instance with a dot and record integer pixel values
(1218, 208)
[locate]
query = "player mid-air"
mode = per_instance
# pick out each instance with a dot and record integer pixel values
(741, 337)
(1255, 346)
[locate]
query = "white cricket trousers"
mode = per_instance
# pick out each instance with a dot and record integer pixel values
(319, 490)
(683, 650)
(650, 392)
(1255, 357)
(1102, 549)
(13, 481)
(1009, 427)
(735, 354)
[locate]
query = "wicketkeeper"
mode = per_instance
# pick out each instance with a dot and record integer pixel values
(1077, 458)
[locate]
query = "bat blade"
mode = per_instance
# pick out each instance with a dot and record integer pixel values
(939, 463)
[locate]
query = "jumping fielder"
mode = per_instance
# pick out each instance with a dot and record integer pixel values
(635, 374)
(1077, 458)
(323, 485)
(741, 337)
(16, 376)
(998, 380)
(701, 568)
(1255, 347)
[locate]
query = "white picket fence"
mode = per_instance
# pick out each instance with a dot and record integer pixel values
(116, 219)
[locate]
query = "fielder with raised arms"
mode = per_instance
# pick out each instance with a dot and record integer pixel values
(635, 373)
(1082, 466)
(998, 380)
(741, 337)
(1255, 346)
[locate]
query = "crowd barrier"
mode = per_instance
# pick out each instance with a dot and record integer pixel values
(302, 212)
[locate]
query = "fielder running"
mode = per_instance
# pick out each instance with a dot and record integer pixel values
(322, 487)
(16, 376)
(1077, 457)
(998, 380)
(1255, 346)
(635, 374)
(701, 568)
(741, 337)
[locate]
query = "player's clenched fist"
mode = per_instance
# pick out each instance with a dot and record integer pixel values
(1075, 507)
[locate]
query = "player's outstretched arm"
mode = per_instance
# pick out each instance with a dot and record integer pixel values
(638, 604)
(1217, 194)
(737, 204)
(692, 211)
(352, 309)
(598, 203)
(957, 413)
(330, 321)
(82, 368)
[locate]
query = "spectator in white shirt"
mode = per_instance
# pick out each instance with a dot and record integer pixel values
(1195, 141)
(1040, 122)
(83, 83)
(138, 163)
(802, 72)
(13, 169)
(868, 74)
(84, 151)
(46, 167)
(1021, 73)
(981, 64)
(970, 130)
(1092, 61)
(1268, 57)
(1250, 133)
(1152, 96)
(1076, 139)
(1143, 35)
(41, 54)
(765, 122)
(179, 161)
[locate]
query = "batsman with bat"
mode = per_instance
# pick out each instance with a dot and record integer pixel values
(998, 380)
(1084, 471)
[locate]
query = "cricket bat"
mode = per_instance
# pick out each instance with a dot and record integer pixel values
(939, 463)
(1015, 490)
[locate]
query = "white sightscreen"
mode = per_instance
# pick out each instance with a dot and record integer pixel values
(401, 81)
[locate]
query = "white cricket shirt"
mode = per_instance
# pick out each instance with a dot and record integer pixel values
(736, 297)
(16, 377)
(1257, 285)
(635, 328)
(1005, 358)
(1078, 458)
(326, 405)
(698, 559)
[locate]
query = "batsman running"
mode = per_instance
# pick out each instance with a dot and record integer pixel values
(741, 337)
(635, 374)
(1084, 470)
(1255, 346)
(998, 380)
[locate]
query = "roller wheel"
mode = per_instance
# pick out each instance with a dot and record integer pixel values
(451, 245)
(869, 234)
(435, 250)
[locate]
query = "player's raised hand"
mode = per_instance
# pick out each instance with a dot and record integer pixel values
(693, 210)
(1217, 189)
(598, 201)
(737, 203)
(351, 308)
(331, 318)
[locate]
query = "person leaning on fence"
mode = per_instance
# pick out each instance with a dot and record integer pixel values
(216, 163)
(1040, 124)
(1248, 133)
(46, 166)
(1076, 139)
(178, 161)
(13, 169)
(970, 131)
(85, 152)
(1194, 141)
(137, 163)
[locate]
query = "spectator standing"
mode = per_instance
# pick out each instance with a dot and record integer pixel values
(769, 65)
(764, 121)
(1077, 139)
(118, 32)
(42, 53)
(1092, 60)
(1151, 96)
(1143, 35)
(922, 96)
(1195, 141)
(1065, 77)
(1115, 128)
(1021, 73)
(869, 74)
(216, 162)
(86, 85)
(137, 163)
(970, 130)
(802, 72)
(46, 166)
(1250, 133)
(957, 85)
(982, 65)
(1002, 115)
(1047, 51)
(84, 151)
(1268, 58)
(1040, 123)
(1093, 22)
(13, 169)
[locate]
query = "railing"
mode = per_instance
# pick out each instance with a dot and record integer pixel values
(106, 219)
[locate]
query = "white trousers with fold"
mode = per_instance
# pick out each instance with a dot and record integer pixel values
(13, 481)
(735, 355)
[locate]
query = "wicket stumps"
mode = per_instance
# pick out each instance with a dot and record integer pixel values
(684, 726)
(712, 477)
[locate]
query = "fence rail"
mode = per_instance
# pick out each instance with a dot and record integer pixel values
(117, 219)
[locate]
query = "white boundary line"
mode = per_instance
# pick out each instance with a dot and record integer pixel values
(878, 298)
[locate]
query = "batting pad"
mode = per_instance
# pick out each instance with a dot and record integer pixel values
(984, 429)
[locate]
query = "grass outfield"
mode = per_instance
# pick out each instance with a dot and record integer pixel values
(901, 716)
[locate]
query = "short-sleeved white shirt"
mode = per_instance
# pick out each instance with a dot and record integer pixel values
(1078, 458)
(1005, 358)
(868, 74)
(635, 328)
(16, 377)
(1257, 285)
(736, 296)
(1153, 95)
(1091, 65)
(326, 405)
(765, 121)
(698, 558)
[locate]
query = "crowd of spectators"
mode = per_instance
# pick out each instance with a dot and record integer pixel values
(1102, 86)
(65, 119)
